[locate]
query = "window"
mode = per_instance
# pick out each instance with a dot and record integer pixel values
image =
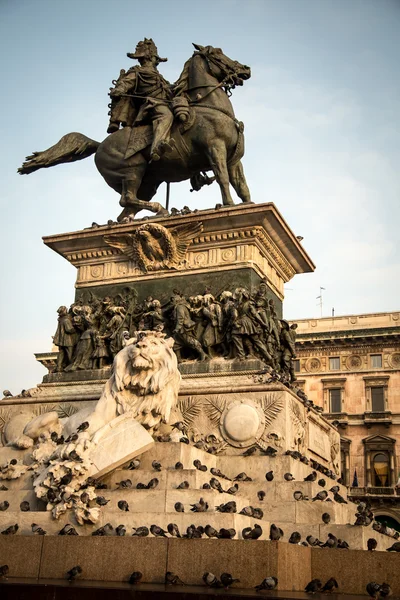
(296, 365)
(380, 471)
(334, 363)
(378, 399)
(376, 361)
(335, 400)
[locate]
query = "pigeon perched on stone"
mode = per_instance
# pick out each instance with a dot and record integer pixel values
(373, 589)
(211, 580)
(330, 585)
(313, 541)
(257, 513)
(120, 530)
(7, 394)
(339, 499)
(227, 534)
(394, 548)
(153, 483)
(179, 507)
(372, 544)
(135, 577)
(343, 544)
(3, 488)
(297, 495)
(66, 479)
(320, 496)
(311, 477)
(200, 506)
(157, 531)
(386, 590)
(172, 579)
(270, 451)
(101, 501)
(4, 571)
(83, 426)
(250, 451)
(229, 507)
(12, 530)
(68, 529)
(179, 426)
(275, 533)
(252, 533)
(269, 583)
(206, 486)
(156, 465)
(242, 477)
(141, 486)
(233, 489)
(326, 518)
(37, 530)
(227, 580)
(133, 465)
(73, 573)
(178, 466)
(295, 538)
(334, 489)
(321, 482)
(126, 484)
(331, 542)
(4, 505)
(184, 440)
(261, 495)
(313, 586)
(183, 486)
(193, 532)
(140, 531)
(173, 530)
(123, 505)
(215, 484)
(269, 476)
(210, 531)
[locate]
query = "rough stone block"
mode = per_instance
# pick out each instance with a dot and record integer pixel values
(21, 554)
(104, 558)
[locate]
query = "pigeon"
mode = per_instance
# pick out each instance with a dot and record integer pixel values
(206, 486)
(326, 518)
(248, 511)
(233, 489)
(257, 513)
(75, 456)
(68, 529)
(227, 534)
(184, 440)
(83, 426)
(313, 586)
(394, 548)
(211, 580)
(7, 394)
(194, 532)
(125, 484)
(101, 501)
(140, 531)
(229, 507)
(339, 499)
(179, 426)
(321, 496)
(275, 533)
(261, 495)
(173, 530)
(321, 482)
(313, 541)
(385, 590)
(179, 507)
(66, 480)
(311, 477)
(172, 579)
(4, 505)
(200, 506)
(250, 451)
(269, 476)
(288, 477)
(331, 542)
(24, 506)
(295, 538)
(373, 589)
(334, 489)
(269, 583)
(343, 544)
(270, 451)
(178, 466)
(120, 530)
(135, 577)
(72, 438)
(4, 571)
(73, 573)
(12, 530)
(157, 531)
(215, 484)
(153, 483)
(183, 486)
(297, 495)
(156, 465)
(141, 486)
(242, 477)
(210, 531)
(37, 530)
(123, 505)
(134, 464)
(201, 445)
(218, 473)
(227, 580)
(372, 544)
(3, 488)
(199, 466)
(254, 533)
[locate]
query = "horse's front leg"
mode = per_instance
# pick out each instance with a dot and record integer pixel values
(238, 181)
(218, 163)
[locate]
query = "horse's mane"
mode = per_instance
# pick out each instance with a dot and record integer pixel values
(181, 85)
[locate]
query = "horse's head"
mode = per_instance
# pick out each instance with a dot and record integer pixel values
(223, 68)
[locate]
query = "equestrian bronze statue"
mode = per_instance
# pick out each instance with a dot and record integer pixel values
(162, 132)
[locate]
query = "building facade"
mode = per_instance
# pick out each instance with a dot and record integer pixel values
(350, 366)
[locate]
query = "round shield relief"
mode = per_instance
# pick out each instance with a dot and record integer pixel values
(242, 423)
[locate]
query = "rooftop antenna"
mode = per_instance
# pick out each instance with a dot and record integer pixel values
(320, 298)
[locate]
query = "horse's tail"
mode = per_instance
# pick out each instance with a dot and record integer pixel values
(71, 147)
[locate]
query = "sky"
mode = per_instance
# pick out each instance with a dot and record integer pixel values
(321, 114)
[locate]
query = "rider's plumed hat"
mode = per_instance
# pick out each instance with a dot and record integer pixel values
(146, 48)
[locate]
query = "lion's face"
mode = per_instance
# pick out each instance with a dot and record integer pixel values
(151, 353)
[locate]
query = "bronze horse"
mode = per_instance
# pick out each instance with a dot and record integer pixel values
(211, 140)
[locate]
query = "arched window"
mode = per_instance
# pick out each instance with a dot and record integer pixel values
(380, 470)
